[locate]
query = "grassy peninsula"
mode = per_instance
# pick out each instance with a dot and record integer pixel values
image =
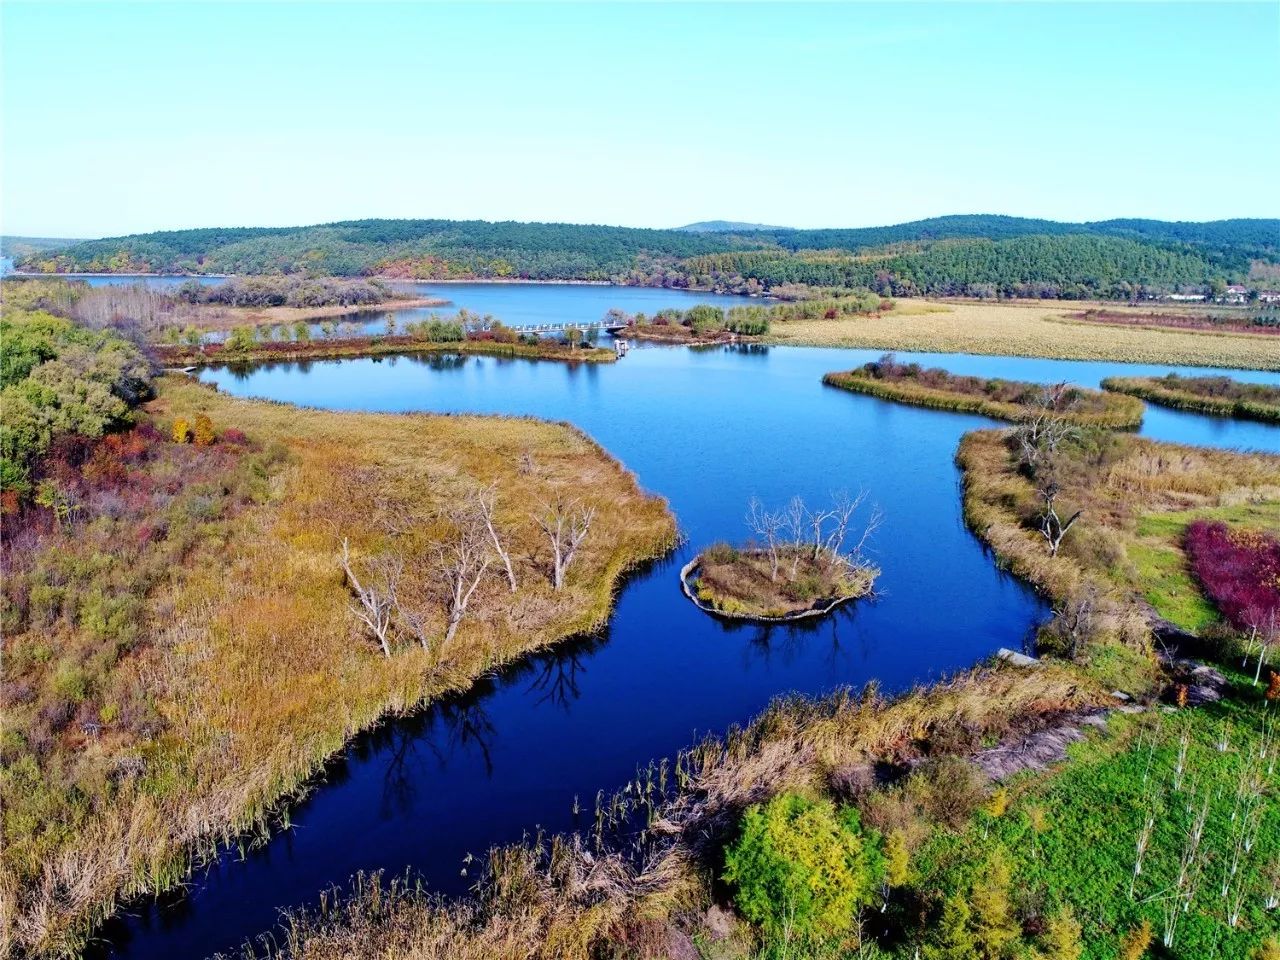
(175, 355)
(1221, 396)
(991, 397)
(204, 598)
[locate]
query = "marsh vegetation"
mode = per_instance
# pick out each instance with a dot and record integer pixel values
(989, 396)
(1221, 396)
(802, 563)
(183, 589)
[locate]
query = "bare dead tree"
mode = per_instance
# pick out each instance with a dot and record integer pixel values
(1040, 437)
(375, 595)
(817, 524)
(768, 527)
(1073, 623)
(793, 520)
(566, 524)
(842, 512)
(1053, 527)
(486, 501)
(461, 564)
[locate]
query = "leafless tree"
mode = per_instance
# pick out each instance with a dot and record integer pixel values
(566, 524)
(793, 520)
(486, 501)
(817, 524)
(1074, 621)
(841, 514)
(375, 595)
(1040, 438)
(1053, 527)
(768, 527)
(461, 564)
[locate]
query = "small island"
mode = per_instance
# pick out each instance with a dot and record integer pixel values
(1216, 395)
(798, 567)
(989, 396)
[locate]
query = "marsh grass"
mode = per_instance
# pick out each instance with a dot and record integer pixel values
(1220, 396)
(992, 397)
(565, 899)
(328, 349)
(254, 664)
(1027, 330)
(1123, 484)
(739, 581)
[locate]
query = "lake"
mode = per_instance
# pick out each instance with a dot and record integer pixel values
(708, 429)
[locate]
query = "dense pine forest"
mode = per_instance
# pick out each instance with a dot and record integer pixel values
(961, 255)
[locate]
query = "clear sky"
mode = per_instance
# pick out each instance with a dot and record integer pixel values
(121, 118)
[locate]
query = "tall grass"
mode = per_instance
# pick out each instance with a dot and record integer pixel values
(1027, 330)
(257, 668)
(566, 899)
(1000, 399)
(1221, 396)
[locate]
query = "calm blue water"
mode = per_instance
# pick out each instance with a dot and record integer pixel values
(526, 304)
(708, 429)
(126, 279)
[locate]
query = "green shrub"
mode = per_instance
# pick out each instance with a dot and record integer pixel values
(704, 318)
(241, 340)
(802, 868)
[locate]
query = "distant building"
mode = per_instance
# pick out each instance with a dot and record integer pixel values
(1186, 296)
(1269, 296)
(1235, 294)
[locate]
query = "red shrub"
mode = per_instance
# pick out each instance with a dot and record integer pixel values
(1240, 571)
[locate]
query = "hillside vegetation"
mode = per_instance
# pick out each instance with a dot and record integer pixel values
(979, 255)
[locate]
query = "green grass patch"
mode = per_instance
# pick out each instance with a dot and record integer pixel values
(1072, 835)
(1162, 568)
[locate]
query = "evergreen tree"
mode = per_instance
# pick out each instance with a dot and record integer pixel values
(1062, 936)
(952, 939)
(994, 925)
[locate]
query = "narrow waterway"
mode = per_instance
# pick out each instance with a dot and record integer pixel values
(708, 429)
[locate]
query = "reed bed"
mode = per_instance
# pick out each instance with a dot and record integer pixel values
(1220, 396)
(568, 898)
(1039, 329)
(999, 399)
(254, 661)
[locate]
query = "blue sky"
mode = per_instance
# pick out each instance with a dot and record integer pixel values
(120, 118)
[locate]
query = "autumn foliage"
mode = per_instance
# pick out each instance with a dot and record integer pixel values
(1240, 571)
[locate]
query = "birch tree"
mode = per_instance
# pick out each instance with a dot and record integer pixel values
(486, 508)
(768, 526)
(566, 524)
(375, 594)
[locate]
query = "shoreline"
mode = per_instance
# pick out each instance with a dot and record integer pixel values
(357, 349)
(190, 845)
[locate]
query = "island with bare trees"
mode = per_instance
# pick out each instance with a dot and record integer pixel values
(799, 565)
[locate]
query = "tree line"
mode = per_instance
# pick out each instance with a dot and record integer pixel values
(967, 255)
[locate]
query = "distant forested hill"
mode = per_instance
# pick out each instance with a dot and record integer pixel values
(978, 254)
(23, 246)
(727, 226)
